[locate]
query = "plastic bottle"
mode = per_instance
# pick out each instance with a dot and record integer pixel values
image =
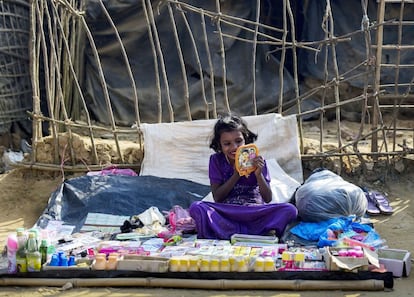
(43, 249)
(12, 246)
(21, 263)
(72, 261)
(63, 259)
(33, 256)
(54, 261)
(36, 235)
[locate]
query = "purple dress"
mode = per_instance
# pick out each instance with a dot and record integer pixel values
(243, 211)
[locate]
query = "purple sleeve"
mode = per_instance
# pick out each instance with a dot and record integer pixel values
(266, 173)
(215, 171)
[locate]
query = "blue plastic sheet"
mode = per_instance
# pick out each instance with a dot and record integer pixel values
(117, 195)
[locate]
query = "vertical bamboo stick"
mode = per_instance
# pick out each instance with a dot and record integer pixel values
(104, 86)
(197, 57)
(295, 70)
(380, 32)
(210, 65)
(254, 50)
(223, 55)
(126, 61)
(155, 60)
(161, 57)
(182, 64)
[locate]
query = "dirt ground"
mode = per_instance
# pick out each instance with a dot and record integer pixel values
(24, 195)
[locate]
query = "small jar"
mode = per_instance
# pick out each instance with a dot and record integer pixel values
(174, 264)
(184, 263)
(100, 262)
(225, 265)
(242, 265)
(214, 265)
(259, 264)
(193, 264)
(269, 264)
(205, 264)
(112, 262)
(233, 264)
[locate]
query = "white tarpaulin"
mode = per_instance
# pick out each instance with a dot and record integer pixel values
(181, 149)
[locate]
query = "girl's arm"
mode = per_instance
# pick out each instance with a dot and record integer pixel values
(264, 187)
(220, 192)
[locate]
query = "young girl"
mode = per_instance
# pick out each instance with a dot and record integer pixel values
(241, 202)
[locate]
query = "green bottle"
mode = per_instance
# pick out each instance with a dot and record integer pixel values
(21, 263)
(33, 256)
(43, 250)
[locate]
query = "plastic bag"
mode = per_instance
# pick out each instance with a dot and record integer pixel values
(113, 170)
(326, 195)
(180, 220)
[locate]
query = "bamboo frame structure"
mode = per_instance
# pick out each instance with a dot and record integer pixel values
(60, 31)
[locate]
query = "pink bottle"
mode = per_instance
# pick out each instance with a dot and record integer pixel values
(11, 252)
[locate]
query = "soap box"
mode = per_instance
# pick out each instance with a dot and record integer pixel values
(143, 263)
(334, 262)
(395, 260)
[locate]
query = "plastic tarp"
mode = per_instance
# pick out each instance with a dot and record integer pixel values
(117, 195)
(129, 17)
(351, 52)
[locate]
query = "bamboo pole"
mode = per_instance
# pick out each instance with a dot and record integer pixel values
(295, 69)
(103, 83)
(219, 284)
(126, 60)
(77, 85)
(34, 70)
(41, 46)
(254, 51)
(155, 60)
(182, 63)
(380, 32)
(161, 57)
(223, 55)
(210, 65)
(197, 57)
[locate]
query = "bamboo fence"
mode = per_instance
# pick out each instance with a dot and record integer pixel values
(60, 32)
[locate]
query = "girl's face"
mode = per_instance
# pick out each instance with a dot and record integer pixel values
(229, 142)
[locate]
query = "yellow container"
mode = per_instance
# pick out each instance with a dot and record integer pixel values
(269, 264)
(224, 265)
(193, 264)
(205, 264)
(174, 264)
(184, 264)
(259, 264)
(214, 265)
(242, 265)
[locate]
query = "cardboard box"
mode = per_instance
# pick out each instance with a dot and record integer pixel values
(81, 264)
(143, 263)
(396, 261)
(335, 262)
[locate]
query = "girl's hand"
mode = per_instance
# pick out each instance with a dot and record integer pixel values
(259, 164)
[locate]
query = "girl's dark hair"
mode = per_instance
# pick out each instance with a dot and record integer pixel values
(227, 123)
